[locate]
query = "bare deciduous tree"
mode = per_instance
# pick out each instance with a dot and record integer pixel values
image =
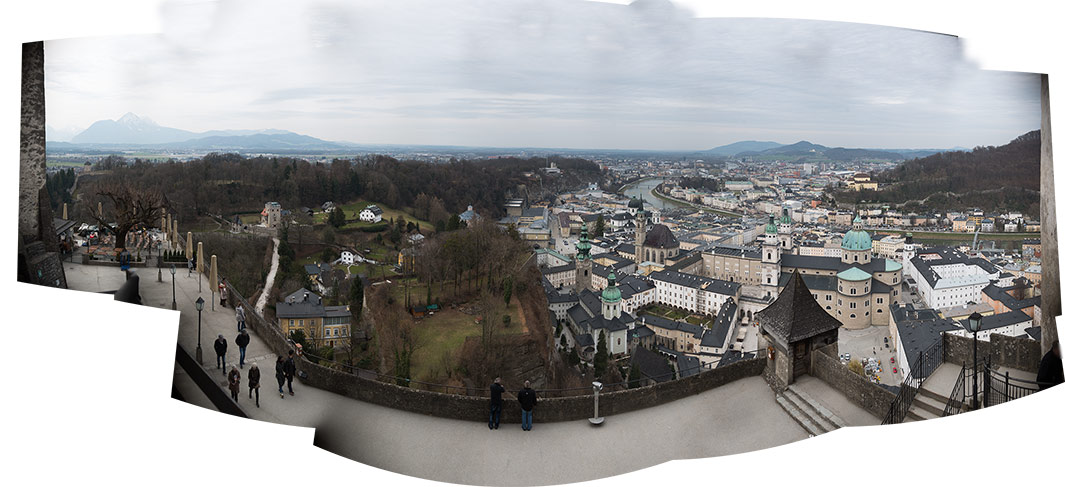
(131, 208)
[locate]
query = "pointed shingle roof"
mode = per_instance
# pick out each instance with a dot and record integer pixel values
(795, 315)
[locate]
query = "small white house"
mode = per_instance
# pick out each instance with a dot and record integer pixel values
(348, 257)
(371, 214)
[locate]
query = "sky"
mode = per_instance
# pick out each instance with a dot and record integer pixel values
(537, 73)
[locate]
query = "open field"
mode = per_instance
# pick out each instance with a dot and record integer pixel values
(440, 336)
(351, 212)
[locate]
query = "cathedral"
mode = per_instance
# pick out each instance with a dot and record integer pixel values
(856, 288)
(656, 245)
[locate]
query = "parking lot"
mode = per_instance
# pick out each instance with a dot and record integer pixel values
(869, 343)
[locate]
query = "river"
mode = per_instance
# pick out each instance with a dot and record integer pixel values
(644, 188)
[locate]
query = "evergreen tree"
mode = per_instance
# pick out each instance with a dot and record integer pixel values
(453, 223)
(355, 300)
(508, 289)
(599, 227)
(601, 355)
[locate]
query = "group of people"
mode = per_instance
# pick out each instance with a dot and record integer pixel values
(526, 399)
(284, 371)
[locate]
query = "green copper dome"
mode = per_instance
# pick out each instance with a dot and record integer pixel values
(611, 294)
(771, 228)
(786, 219)
(856, 238)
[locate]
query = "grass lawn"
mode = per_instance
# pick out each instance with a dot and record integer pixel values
(351, 212)
(439, 338)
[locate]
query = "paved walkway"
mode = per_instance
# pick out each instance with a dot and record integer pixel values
(739, 417)
(833, 400)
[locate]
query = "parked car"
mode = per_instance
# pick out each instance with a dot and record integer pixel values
(895, 370)
(847, 357)
(892, 359)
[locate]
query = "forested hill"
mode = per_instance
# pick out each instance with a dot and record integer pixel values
(229, 183)
(992, 178)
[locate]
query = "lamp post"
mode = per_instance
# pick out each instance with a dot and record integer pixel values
(173, 287)
(973, 324)
(199, 322)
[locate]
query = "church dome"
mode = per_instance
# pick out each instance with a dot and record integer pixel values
(856, 238)
(635, 203)
(771, 228)
(786, 219)
(611, 294)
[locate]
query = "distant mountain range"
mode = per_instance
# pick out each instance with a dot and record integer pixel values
(742, 146)
(753, 148)
(131, 131)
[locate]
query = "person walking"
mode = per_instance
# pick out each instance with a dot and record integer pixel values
(234, 383)
(290, 371)
(253, 382)
(1050, 372)
(220, 347)
(190, 268)
(527, 400)
(241, 318)
(223, 293)
(495, 403)
(242, 344)
(279, 374)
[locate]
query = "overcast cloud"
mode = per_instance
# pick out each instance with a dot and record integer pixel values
(538, 73)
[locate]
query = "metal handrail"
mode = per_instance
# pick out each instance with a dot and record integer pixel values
(927, 362)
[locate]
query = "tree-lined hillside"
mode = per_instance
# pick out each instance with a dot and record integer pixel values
(993, 178)
(226, 184)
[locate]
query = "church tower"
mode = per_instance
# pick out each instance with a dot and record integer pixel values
(641, 233)
(584, 261)
(771, 257)
(786, 244)
(611, 298)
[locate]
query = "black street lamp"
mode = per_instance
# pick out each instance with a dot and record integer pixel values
(173, 287)
(973, 326)
(199, 323)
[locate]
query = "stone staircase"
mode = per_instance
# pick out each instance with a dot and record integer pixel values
(810, 414)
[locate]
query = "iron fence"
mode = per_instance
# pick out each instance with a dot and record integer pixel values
(927, 362)
(1000, 387)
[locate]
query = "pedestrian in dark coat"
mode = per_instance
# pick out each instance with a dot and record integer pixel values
(279, 374)
(527, 400)
(253, 382)
(220, 347)
(1050, 372)
(290, 370)
(243, 339)
(234, 383)
(190, 268)
(495, 403)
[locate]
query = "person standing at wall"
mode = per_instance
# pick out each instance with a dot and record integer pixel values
(223, 293)
(241, 318)
(1050, 371)
(527, 400)
(495, 403)
(253, 382)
